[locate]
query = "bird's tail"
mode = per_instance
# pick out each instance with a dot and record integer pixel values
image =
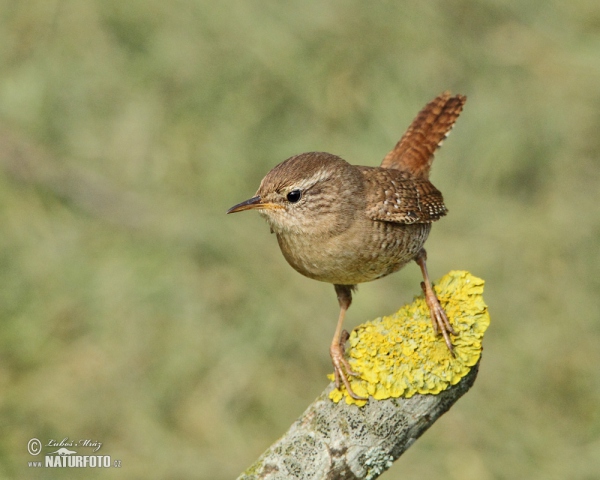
(414, 152)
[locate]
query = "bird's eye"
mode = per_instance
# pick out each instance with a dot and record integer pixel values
(294, 196)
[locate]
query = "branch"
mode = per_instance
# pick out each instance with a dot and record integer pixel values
(412, 381)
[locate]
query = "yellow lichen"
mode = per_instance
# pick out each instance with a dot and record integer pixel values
(398, 355)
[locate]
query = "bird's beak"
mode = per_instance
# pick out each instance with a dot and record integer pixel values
(254, 203)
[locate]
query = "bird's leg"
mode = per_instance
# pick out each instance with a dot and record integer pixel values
(341, 367)
(438, 316)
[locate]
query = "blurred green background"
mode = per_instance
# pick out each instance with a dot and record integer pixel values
(136, 313)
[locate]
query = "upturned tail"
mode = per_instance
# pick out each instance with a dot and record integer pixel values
(414, 152)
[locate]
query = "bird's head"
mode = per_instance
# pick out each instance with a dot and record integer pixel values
(308, 193)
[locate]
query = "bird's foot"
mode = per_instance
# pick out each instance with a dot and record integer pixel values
(341, 367)
(439, 319)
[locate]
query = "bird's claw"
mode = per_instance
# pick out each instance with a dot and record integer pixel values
(439, 319)
(341, 367)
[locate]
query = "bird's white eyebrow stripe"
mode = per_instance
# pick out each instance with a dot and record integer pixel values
(306, 183)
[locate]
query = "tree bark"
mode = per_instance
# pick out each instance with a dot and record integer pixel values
(340, 441)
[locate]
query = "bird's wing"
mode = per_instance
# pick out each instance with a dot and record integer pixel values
(395, 196)
(414, 152)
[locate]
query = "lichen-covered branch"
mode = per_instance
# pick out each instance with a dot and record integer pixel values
(411, 383)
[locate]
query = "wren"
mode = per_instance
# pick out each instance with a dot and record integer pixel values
(346, 224)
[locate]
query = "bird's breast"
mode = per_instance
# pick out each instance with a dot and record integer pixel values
(365, 252)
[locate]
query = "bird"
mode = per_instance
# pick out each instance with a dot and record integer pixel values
(348, 224)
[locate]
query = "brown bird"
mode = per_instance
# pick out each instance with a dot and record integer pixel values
(347, 224)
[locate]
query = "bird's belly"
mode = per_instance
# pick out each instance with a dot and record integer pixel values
(350, 259)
